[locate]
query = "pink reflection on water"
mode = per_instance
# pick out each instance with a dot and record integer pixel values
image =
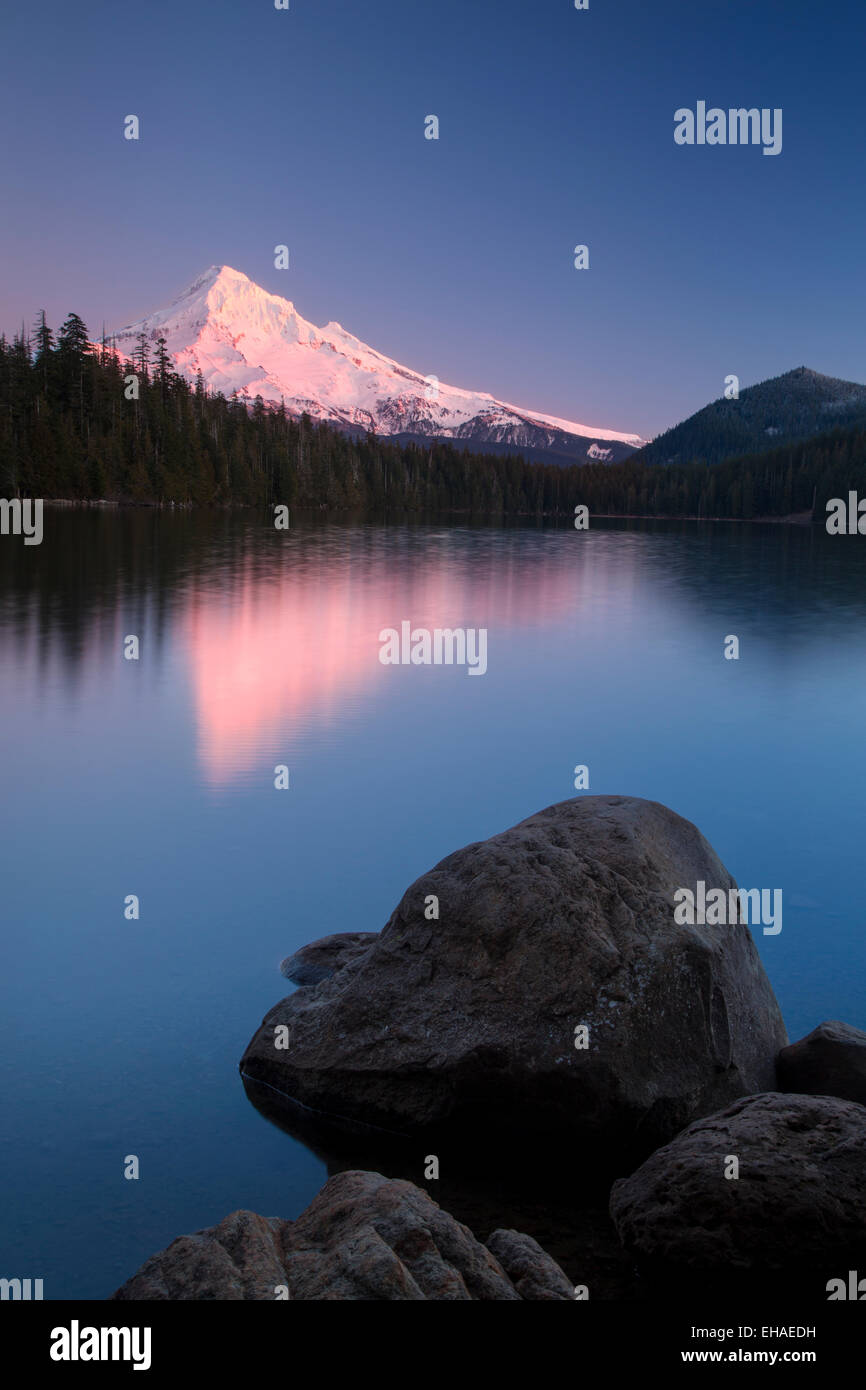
(272, 650)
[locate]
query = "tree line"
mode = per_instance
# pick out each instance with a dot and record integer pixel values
(72, 425)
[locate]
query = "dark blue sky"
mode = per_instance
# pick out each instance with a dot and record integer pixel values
(305, 127)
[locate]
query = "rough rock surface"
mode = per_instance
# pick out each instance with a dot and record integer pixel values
(323, 958)
(796, 1214)
(565, 919)
(362, 1237)
(829, 1061)
(534, 1274)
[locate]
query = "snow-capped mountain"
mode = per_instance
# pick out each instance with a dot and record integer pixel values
(249, 343)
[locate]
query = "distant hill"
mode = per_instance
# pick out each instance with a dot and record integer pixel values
(798, 405)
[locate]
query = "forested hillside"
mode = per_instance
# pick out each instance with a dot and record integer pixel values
(796, 406)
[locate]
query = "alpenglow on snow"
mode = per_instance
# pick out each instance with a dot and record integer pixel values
(249, 343)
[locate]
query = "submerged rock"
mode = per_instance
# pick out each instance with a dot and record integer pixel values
(829, 1061)
(793, 1217)
(362, 1237)
(323, 958)
(469, 1019)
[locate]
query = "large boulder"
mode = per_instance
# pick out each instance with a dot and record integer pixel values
(829, 1061)
(467, 1020)
(792, 1218)
(362, 1237)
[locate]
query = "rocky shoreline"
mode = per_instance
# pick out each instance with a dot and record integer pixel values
(532, 1008)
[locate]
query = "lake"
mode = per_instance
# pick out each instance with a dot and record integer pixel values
(155, 777)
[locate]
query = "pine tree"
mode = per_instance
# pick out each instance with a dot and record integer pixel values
(141, 356)
(43, 346)
(73, 339)
(162, 367)
(73, 348)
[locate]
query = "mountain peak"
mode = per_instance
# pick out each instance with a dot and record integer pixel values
(249, 342)
(810, 381)
(204, 281)
(804, 373)
(223, 277)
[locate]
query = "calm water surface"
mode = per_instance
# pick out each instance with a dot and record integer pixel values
(155, 777)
